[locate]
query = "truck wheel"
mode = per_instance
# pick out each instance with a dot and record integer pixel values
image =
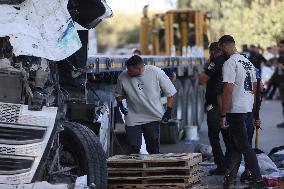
(200, 103)
(170, 132)
(177, 112)
(189, 102)
(82, 150)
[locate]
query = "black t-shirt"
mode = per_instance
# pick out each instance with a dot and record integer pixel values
(280, 77)
(214, 84)
(281, 58)
(256, 59)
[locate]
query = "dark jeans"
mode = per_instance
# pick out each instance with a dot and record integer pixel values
(213, 122)
(239, 145)
(250, 127)
(281, 91)
(270, 93)
(151, 132)
(250, 130)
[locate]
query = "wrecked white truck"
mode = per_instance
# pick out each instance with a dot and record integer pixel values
(40, 139)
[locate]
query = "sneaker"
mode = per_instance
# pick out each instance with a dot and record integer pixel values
(246, 177)
(217, 171)
(280, 125)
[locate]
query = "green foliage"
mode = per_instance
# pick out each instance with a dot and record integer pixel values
(249, 21)
(183, 4)
(117, 31)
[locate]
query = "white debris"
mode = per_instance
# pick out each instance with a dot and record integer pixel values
(266, 165)
(81, 183)
(40, 28)
(143, 149)
(5, 63)
(37, 185)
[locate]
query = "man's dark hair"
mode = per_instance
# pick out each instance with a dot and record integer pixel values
(245, 48)
(214, 47)
(135, 60)
(252, 46)
(137, 52)
(281, 42)
(226, 39)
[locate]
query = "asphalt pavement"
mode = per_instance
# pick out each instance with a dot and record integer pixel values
(270, 136)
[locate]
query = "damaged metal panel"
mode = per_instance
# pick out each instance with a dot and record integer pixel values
(40, 28)
(45, 28)
(89, 13)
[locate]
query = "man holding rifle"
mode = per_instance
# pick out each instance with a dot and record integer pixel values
(237, 100)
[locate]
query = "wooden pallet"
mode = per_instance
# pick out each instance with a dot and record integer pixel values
(158, 171)
(169, 183)
(153, 171)
(156, 160)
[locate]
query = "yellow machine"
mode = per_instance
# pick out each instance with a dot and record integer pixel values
(174, 30)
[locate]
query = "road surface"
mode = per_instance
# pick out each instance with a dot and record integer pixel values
(270, 136)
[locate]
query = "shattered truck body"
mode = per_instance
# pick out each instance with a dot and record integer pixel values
(57, 108)
(37, 140)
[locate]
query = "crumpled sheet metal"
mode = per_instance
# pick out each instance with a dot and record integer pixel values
(40, 28)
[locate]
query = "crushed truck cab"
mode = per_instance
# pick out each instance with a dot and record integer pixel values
(57, 108)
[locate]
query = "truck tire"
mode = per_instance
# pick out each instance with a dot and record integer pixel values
(170, 133)
(200, 103)
(189, 102)
(199, 107)
(85, 147)
(178, 112)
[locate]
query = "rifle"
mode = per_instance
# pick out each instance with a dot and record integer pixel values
(258, 99)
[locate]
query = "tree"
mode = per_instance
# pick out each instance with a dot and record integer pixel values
(249, 21)
(120, 30)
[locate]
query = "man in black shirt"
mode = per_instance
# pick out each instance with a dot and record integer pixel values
(255, 57)
(279, 76)
(213, 77)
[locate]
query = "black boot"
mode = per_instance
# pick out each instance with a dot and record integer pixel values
(228, 182)
(280, 125)
(246, 177)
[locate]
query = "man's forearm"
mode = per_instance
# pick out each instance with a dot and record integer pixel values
(226, 100)
(170, 101)
(203, 79)
(219, 99)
